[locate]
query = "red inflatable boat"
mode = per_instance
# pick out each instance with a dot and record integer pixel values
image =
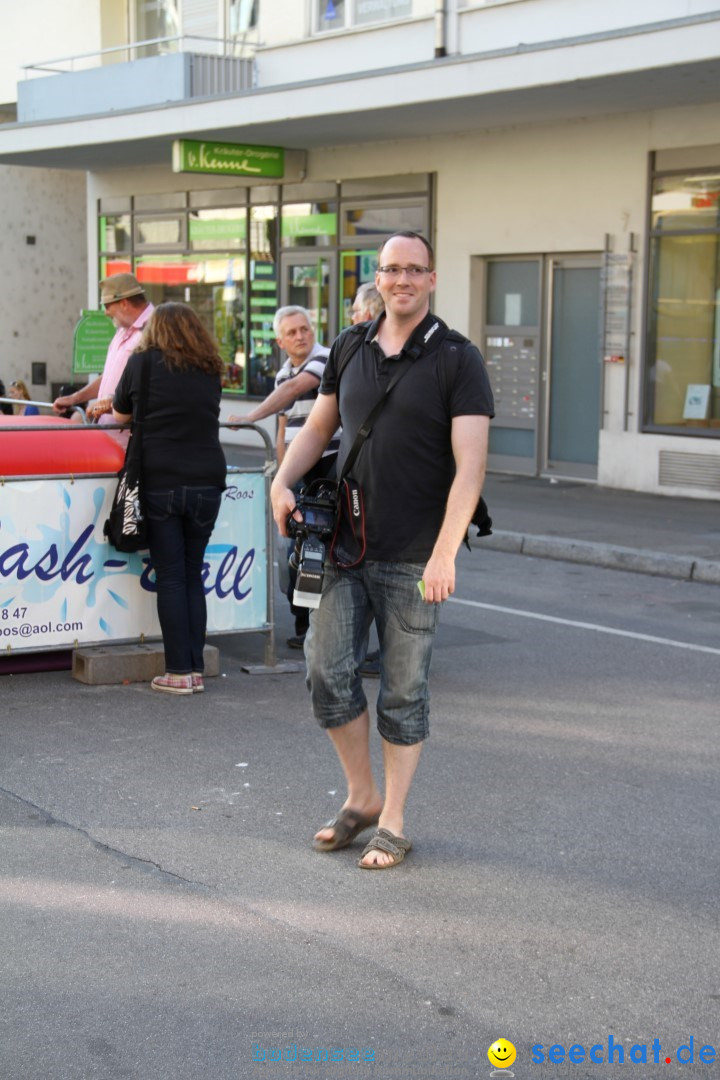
(67, 449)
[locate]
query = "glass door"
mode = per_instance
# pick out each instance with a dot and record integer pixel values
(574, 367)
(309, 280)
(541, 346)
(511, 349)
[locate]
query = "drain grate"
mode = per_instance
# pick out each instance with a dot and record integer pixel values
(678, 469)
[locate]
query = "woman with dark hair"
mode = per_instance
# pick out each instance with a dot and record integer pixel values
(183, 473)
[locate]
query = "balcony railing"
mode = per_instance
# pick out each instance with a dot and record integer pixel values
(234, 48)
(140, 74)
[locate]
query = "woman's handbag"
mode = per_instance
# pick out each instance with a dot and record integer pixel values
(126, 527)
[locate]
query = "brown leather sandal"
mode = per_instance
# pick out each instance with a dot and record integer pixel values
(347, 825)
(384, 840)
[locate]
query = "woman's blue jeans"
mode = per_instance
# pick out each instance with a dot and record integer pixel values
(180, 522)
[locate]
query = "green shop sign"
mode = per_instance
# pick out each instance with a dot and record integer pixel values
(309, 225)
(227, 159)
(92, 336)
(221, 230)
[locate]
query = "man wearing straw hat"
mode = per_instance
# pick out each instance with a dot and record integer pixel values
(124, 300)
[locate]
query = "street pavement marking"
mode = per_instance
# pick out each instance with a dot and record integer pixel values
(586, 626)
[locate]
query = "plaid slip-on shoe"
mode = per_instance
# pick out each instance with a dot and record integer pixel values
(173, 684)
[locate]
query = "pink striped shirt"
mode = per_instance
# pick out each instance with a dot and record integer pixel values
(122, 345)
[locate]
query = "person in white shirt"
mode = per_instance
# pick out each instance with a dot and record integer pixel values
(296, 388)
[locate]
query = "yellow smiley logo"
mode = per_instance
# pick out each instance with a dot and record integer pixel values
(501, 1054)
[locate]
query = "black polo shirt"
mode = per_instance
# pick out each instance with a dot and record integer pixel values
(406, 466)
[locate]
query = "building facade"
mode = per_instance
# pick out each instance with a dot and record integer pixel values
(563, 156)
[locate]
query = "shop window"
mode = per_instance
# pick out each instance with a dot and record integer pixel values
(682, 386)
(312, 224)
(380, 219)
(686, 202)
(165, 231)
(235, 253)
(215, 288)
(113, 264)
(213, 230)
(684, 333)
(115, 234)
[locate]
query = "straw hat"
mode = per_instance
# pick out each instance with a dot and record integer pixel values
(119, 287)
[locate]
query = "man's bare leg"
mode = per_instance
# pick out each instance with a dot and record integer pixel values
(352, 745)
(400, 765)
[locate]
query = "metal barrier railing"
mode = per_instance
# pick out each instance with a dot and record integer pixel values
(267, 470)
(43, 405)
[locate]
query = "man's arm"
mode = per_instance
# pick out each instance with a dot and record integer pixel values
(303, 452)
(469, 436)
(85, 393)
(280, 399)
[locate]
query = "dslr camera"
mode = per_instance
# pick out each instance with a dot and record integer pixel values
(317, 503)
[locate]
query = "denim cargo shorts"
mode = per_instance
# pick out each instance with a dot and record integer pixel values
(336, 643)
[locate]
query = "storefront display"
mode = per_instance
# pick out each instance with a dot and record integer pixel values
(683, 317)
(236, 254)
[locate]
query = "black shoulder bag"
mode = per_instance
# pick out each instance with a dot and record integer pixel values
(126, 527)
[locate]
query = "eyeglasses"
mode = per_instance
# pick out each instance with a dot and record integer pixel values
(413, 272)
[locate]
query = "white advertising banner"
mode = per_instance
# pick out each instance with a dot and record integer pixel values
(61, 583)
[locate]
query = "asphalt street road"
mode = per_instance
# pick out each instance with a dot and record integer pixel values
(163, 915)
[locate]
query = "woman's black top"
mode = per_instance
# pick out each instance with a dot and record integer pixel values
(181, 438)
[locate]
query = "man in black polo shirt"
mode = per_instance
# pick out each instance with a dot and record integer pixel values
(421, 471)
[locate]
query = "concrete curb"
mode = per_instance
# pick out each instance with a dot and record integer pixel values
(100, 665)
(610, 556)
(707, 571)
